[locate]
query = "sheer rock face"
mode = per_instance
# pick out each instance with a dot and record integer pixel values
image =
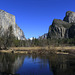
(72, 31)
(70, 17)
(63, 28)
(58, 29)
(7, 20)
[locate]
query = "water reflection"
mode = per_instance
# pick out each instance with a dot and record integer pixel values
(62, 64)
(34, 66)
(9, 63)
(37, 64)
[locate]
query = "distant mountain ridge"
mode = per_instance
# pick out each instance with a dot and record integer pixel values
(44, 36)
(7, 20)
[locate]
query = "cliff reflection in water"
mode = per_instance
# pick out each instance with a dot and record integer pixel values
(9, 63)
(51, 64)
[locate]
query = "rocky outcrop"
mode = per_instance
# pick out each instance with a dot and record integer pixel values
(43, 36)
(70, 17)
(63, 28)
(7, 20)
(58, 29)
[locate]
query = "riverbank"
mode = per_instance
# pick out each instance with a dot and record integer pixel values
(41, 50)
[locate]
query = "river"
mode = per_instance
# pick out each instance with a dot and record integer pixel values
(32, 64)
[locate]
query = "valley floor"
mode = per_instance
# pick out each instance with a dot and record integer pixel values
(41, 50)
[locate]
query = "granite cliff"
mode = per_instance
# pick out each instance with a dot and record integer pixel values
(70, 17)
(63, 28)
(7, 20)
(43, 36)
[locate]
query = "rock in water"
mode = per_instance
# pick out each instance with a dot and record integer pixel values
(7, 20)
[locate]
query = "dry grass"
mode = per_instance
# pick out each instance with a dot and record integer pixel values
(46, 48)
(25, 49)
(63, 48)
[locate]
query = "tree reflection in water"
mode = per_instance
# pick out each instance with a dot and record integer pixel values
(62, 64)
(51, 64)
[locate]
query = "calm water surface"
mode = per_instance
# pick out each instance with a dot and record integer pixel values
(37, 64)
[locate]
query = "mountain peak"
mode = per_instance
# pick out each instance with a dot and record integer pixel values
(7, 20)
(70, 17)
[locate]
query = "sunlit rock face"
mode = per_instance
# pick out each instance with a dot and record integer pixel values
(7, 20)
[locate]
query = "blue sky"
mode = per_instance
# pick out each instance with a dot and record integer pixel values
(35, 16)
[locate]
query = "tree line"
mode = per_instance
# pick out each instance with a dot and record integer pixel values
(9, 40)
